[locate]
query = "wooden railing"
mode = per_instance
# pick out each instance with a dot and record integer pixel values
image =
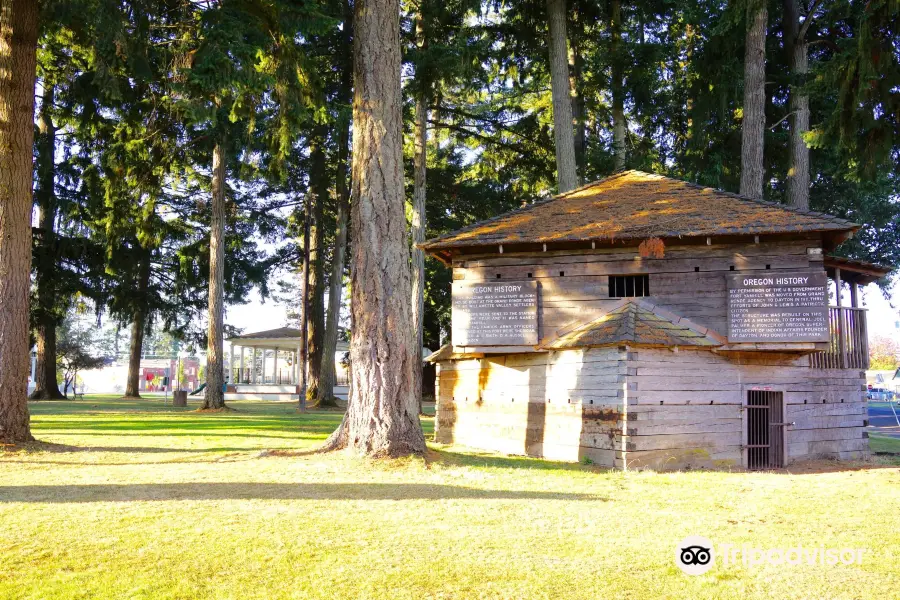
(849, 344)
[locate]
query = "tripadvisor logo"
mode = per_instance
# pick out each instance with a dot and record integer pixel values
(695, 555)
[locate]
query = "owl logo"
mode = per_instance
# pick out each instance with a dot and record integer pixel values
(694, 555)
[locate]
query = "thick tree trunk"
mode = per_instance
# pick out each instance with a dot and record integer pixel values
(797, 51)
(335, 282)
(138, 327)
(18, 48)
(215, 392)
(382, 417)
(753, 128)
(563, 134)
(46, 387)
(618, 87)
(315, 334)
(418, 236)
(133, 384)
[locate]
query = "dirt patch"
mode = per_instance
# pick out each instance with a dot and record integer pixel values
(829, 466)
(38, 446)
(224, 409)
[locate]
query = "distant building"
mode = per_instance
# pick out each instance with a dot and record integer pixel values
(161, 374)
(156, 375)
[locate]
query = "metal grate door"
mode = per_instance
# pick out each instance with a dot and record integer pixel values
(765, 430)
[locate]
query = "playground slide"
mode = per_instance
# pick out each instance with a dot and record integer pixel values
(203, 387)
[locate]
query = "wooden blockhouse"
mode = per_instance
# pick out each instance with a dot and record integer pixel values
(645, 322)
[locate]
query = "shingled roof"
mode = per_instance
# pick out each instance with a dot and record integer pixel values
(637, 205)
(636, 322)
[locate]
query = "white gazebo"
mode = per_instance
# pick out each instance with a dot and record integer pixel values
(265, 365)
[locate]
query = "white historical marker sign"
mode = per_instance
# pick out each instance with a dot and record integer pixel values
(495, 313)
(778, 307)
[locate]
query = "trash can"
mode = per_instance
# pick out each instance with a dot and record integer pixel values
(179, 398)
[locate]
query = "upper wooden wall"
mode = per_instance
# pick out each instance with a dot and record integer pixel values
(689, 280)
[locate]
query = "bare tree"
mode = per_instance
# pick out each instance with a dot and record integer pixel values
(18, 61)
(754, 124)
(382, 416)
(563, 130)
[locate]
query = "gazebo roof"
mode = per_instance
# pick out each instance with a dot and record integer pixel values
(282, 334)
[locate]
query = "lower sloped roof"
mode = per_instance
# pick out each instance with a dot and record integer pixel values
(638, 322)
(446, 352)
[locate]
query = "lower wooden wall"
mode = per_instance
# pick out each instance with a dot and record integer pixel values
(645, 408)
(561, 405)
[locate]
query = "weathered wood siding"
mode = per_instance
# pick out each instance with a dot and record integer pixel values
(689, 280)
(647, 407)
(685, 408)
(562, 406)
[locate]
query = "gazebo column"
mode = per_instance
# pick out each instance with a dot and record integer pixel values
(230, 378)
(241, 371)
(275, 378)
(265, 353)
(253, 373)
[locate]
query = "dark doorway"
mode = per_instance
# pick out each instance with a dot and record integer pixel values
(765, 429)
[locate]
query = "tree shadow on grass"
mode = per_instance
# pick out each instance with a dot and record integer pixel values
(188, 424)
(288, 435)
(482, 459)
(143, 492)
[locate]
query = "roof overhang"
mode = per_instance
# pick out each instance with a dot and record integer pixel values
(855, 271)
(446, 254)
(270, 343)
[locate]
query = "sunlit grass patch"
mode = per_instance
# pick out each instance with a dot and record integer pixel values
(884, 444)
(134, 499)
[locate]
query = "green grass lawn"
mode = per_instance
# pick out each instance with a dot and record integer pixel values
(884, 444)
(134, 499)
